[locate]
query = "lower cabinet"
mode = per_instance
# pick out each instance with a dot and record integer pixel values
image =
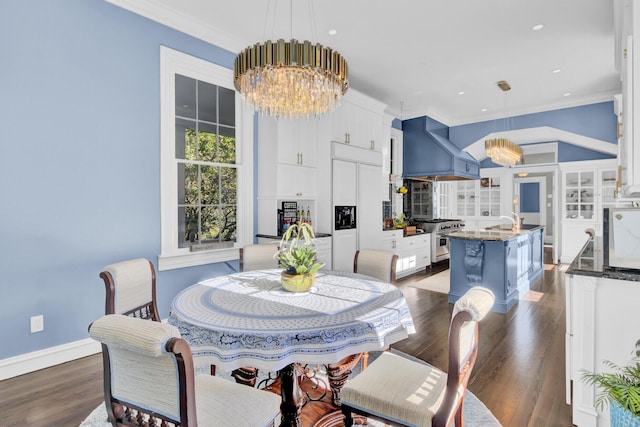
(601, 324)
(414, 254)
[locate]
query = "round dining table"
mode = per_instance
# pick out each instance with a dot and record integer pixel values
(248, 319)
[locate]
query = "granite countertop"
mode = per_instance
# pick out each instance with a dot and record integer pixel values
(589, 262)
(273, 236)
(494, 233)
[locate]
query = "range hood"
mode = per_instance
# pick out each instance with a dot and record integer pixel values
(428, 155)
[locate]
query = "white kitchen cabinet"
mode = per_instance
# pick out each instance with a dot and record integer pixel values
(599, 315)
(627, 37)
(414, 254)
(445, 196)
(587, 188)
(392, 241)
(296, 182)
(466, 198)
(358, 121)
(297, 141)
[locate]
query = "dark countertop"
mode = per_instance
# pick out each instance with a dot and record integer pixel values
(494, 233)
(272, 236)
(589, 262)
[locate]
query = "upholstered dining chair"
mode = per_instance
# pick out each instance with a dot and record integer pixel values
(131, 289)
(404, 391)
(254, 257)
(377, 264)
(149, 378)
(258, 257)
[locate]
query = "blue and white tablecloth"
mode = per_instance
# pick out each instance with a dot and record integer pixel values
(248, 319)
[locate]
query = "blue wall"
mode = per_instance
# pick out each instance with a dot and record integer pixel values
(530, 197)
(595, 121)
(79, 166)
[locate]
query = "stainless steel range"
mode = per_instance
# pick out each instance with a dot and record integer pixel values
(439, 228)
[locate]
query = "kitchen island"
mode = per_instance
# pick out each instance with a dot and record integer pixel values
(498, 258)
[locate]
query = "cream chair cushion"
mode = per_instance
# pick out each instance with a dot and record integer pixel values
(132, 280)
(375, 263)
(398, 389)
(222, 402)
(259, 257)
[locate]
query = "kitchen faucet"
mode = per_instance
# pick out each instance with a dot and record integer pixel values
(515, 220)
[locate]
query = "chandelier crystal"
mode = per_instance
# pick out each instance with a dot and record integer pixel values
(503, 152)
(291, 79)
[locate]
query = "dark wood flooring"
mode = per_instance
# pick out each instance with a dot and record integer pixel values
(519, 374)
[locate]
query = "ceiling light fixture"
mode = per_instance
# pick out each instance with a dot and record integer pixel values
(291, 79)
(537, 27)
(502, 151)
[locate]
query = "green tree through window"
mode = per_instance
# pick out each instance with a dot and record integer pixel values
(206, 156)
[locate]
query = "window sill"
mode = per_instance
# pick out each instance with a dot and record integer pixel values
(192, 259)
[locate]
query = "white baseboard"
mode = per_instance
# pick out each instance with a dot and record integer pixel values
(34, 361)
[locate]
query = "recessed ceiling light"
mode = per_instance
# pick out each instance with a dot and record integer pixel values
(537, 27)
(483, 110)
(556, 71)
(461, 93)
(566, 94)
(332, 32)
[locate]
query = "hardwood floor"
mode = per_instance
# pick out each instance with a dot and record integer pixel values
(519, 374)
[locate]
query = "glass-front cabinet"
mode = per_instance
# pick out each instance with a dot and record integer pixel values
(579, 195)
(490, 196)
(466, 200)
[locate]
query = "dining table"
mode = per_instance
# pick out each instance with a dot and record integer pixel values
(249, 319)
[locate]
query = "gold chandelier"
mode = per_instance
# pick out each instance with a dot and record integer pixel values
(291, 79)
(503, 152)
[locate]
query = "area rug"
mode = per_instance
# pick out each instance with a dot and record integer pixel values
(437, 283)
(476, 414)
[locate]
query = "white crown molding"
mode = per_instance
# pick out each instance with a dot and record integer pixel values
(34, 361)
(178, 20)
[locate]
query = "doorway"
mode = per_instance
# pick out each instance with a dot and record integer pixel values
(535, 203)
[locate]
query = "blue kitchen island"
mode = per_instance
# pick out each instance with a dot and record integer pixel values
(498, 258)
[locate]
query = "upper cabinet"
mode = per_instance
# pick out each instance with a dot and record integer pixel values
(297, 142)
(359, 121)
(628, 103)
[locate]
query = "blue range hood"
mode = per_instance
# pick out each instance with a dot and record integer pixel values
(429, 155)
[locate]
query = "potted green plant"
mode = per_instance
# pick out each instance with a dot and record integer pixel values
(620, 389)
(297, 258)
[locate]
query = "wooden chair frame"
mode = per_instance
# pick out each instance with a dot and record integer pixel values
(122, 413)
(457, 374)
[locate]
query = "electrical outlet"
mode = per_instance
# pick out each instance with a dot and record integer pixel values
(37, 323)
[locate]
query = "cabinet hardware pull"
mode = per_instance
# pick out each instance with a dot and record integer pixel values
(618, 129)
(301, 161)
(347, 138)
(372, 144)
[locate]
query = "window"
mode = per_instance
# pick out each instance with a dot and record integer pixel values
(206, 138)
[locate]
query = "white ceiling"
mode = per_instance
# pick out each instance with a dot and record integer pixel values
(417, 55)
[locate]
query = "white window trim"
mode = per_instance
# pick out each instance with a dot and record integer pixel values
(171, 256)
